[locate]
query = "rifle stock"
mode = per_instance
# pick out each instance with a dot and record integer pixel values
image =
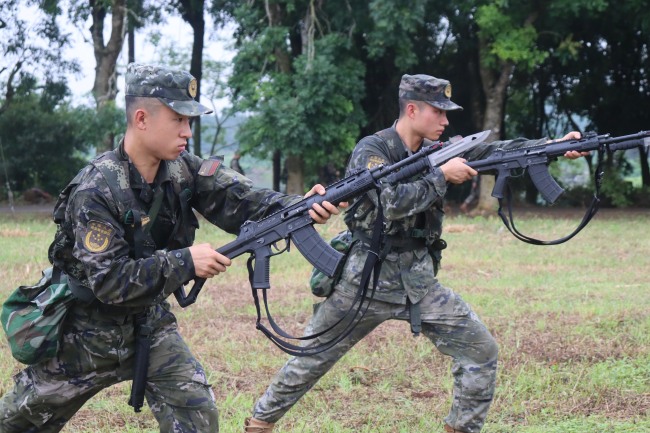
(293, 222)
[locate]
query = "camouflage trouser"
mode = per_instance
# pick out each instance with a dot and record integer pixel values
(446, 320)
(97, 352)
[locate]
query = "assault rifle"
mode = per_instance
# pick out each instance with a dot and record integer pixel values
(535, 159)
(293, 223)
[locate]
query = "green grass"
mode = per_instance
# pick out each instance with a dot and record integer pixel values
(572, 322)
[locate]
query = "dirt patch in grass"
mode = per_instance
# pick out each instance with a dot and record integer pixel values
(558, 343)
(13, 233)
(459, 228)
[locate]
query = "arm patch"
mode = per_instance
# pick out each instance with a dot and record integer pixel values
(98, 236)
(209, 167)
(374, 161)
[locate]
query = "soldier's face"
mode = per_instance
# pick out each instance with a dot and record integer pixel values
(430, 122)
(169, 132)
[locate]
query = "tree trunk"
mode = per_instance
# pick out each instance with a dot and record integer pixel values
(192, 12)
(131, 40)
(277, 169)
(645, 170)
(196, 68)
(495, 87)
(293, 164)
(105, 86)
(295, 178)
(10, 91)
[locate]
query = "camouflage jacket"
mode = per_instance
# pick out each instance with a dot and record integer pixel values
(413, 208)
(95, 237)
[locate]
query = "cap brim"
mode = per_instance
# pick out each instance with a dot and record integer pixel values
(446, 105)
(186, 108)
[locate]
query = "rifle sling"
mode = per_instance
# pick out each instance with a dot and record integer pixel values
(589, 214)
(372, 267)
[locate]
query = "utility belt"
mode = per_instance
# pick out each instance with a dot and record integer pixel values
(392, 243)
(415, 239)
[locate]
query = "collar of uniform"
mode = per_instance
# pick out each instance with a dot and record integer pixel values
(136, 180)
(406, 149)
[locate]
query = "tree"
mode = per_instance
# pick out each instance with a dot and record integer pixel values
(506, 40)
(521, 66)
(30, 48)
(610, 80)
(107, 52)
(300, 72)
(192, 11)
(45, 140)
(593, 79)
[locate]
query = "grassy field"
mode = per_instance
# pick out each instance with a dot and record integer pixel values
(572, 322)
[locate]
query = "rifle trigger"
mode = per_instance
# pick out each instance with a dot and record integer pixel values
(286, 248)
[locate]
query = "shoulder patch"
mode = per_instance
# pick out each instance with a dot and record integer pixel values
(209, 167)
(374, 161)
(98, 236)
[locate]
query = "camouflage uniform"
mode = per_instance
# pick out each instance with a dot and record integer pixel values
(95, 245)
(414, 214)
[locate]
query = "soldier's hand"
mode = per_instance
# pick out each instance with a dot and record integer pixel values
(456, 171)
(208, 262)
(572, 154)
(322, 212)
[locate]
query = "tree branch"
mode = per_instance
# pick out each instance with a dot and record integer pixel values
(9, 95)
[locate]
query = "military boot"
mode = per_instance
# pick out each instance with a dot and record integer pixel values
(452, 430)
(252, 425)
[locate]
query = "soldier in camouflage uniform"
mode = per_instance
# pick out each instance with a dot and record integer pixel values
(123, 260)
(407, 289)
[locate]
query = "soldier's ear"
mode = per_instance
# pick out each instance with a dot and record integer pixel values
(411, 108)
(140, 118)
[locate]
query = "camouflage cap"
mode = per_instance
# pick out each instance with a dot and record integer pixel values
(434, 91)
(176, 89)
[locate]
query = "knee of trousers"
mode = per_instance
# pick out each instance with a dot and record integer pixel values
(489, 349)
(190, 394)
(482, 349)
(193, 399)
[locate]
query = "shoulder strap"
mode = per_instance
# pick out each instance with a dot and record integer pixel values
(116, 173)
(393, 143)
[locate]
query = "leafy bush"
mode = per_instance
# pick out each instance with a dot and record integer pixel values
(46, 144)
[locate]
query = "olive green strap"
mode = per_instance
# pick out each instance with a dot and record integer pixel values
(155, 207)
(415, 317)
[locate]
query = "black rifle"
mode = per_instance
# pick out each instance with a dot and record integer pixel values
(535, 159)
(293, 223)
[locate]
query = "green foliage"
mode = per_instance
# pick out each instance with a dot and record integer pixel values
(310, 110)
(510, 39)
(45, 145)
(31, 46)
(617, 190)
(578, 65)
(394, 24)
